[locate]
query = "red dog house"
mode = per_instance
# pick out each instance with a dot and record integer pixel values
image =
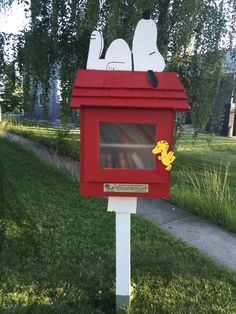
(122, 118)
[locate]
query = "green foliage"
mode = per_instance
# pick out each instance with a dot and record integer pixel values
(197, 56)
(190, 35)
(58, 39)
(227, 89)
(10, 90)
(1, 54)
(57, 257)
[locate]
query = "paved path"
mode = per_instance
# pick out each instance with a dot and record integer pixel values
(212, 240)
(61, 162)
(217, 243)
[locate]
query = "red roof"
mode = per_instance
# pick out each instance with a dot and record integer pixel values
(129, 89)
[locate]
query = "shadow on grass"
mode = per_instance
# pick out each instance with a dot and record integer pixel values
(58, 252)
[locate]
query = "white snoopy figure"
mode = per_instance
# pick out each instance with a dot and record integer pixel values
(143, 57)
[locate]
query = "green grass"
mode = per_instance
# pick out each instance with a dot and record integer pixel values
(62, 140)
(58, 252)
(203, 176)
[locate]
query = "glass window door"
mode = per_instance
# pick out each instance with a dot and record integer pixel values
(126, 145)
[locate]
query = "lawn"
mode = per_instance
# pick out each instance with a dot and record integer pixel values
(203, 177)
(58, 251)
(63, 140)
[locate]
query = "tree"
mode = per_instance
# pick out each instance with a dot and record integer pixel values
(191, 34)
(58, 38)
(190, 38)
(10, 90)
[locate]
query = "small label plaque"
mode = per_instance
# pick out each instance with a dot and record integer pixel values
(123, 187)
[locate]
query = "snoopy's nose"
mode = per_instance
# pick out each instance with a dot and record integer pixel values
(146, 15)
(152, 79)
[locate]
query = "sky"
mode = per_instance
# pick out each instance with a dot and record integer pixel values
(13, 20)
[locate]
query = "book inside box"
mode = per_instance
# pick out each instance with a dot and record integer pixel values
(127, 145)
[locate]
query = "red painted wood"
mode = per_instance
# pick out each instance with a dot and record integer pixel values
(93, 176)
(127, 88)
(129, 103)
(139, 93)
(126, 79)
(120, 96)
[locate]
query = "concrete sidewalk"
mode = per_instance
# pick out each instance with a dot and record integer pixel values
(61, 162)
(212, 240)
(215, 242)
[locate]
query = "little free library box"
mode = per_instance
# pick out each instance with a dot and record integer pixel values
(123, 115)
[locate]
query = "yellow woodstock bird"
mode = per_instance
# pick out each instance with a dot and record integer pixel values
(166, 158)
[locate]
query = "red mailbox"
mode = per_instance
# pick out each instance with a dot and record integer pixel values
(122, 118)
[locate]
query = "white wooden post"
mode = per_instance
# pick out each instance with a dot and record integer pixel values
(123, 206)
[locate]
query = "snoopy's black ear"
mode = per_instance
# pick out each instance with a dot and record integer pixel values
(146, 15)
